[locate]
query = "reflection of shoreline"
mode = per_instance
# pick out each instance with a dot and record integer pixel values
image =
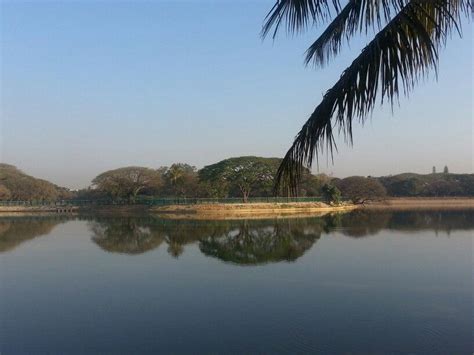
(367, 222)
(17, 230)
(137, 235)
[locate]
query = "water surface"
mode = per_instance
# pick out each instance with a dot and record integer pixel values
(363, 282)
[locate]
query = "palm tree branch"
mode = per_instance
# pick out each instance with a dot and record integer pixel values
(297, 14)
(357, 16)
(402, 52)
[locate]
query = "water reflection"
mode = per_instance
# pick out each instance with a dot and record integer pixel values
(17, 230)
(136, 235)
(113, 285)
(363, 223)
(439, 221)
(246, 242)
(251, 243)
(126, 235)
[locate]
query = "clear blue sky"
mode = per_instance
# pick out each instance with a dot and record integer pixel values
(93, 85)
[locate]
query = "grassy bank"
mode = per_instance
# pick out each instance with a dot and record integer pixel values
(248, 210)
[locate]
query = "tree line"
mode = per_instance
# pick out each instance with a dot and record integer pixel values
(16, 185)
(239, 177)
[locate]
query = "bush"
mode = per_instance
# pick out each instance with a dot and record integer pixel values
(331, 194)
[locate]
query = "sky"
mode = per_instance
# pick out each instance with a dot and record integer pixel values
(88, 86)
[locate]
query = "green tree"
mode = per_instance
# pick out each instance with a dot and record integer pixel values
(360, 189)
(127, 182)
(409, 35)
(242, 174)
(331, 194)
(181, 180)
(311, 185)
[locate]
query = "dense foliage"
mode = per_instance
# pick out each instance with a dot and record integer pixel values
(127, 183)
(240, 177)
(361, 189)
(16, 185)
(441, 184)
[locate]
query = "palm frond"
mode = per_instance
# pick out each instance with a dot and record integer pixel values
(297, 14)
(357, 16)
(399, 55)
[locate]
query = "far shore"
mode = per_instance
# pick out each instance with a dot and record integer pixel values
(409, 203)
(246, 210)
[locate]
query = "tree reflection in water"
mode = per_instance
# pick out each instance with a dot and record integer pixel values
(247, 242)
(363, 223)
(252, 243)
(126, 235)
(17, 230)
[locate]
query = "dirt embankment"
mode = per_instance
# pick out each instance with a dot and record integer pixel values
(249, 210)
(407, 203)
(36, 209)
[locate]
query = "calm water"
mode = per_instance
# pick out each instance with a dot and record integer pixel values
(359, 283)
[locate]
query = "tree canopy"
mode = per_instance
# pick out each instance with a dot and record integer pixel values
(413, 185)
(16, 185)
(360, 189)
(244, 174)
(241, 177)
(127, 182)
(180, 180)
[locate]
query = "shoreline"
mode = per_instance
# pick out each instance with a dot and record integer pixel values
(247, 211)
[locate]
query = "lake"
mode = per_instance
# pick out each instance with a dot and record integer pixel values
(362, 282)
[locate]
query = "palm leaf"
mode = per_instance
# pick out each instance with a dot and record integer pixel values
(399, 55)
(298, 14)
(355, 17)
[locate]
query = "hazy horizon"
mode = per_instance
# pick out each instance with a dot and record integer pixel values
(87, 87)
